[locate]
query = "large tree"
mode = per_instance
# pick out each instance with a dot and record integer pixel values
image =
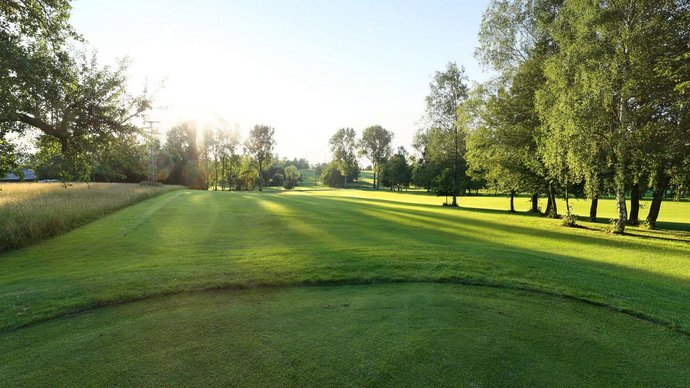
(515, 40)
(446, 138)
(614, 93)
(259, 146)
(376, 146)
(47, 85)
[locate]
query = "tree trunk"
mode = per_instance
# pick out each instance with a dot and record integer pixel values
(535, 203)
(634, 218)
(215, 171)
(549, 204)
(344, 181)
(222, 173)
(619, 228)
(551, 207)
(593, 209)
(374, 183)
(261, 176)
(567, 200)
(655, 206)
(512, 201)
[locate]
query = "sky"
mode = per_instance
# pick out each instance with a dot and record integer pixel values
(306, 68)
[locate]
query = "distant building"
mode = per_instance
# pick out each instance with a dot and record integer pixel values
(29, 176)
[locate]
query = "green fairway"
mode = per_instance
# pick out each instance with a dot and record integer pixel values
(565, 304)
(390, 335)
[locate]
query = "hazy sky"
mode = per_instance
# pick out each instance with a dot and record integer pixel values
(306, 68)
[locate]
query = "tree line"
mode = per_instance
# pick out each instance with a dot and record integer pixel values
(216, 158)
(591, 99)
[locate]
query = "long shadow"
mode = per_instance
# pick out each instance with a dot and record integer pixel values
(594, 272)
(436, 225)
(661, 225)
(429, 246)
(624, 241)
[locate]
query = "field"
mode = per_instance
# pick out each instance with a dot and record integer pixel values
(30, 212)
(347, 287)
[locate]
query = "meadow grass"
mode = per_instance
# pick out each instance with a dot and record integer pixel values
(30, 212)
(563, 303)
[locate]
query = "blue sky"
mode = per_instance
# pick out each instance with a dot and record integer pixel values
(305, 67)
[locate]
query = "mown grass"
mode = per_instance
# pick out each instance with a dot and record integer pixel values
(191, 241)
(30, 212)
(377, 335)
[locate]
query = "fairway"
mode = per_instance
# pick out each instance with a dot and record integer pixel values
(333, 287)
(382, 335)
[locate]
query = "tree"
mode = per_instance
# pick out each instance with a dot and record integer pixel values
(376, 146)
(446, 139)
(613, 90)
(124, 159)
(8, 157)
(292, 175)
(397, 173)
(179, 158)
(259, 146)
(33, 34)
(330, 175)
(83, 108)
(222, 145)
(515, 40)
(343, 150)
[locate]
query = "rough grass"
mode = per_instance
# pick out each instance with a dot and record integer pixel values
(529, 325)
(30, 212)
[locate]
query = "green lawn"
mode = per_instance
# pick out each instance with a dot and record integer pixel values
(472, 295)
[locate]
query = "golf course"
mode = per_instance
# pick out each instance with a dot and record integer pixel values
(347, 287)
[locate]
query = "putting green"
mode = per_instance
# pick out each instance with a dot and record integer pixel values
(413, 334)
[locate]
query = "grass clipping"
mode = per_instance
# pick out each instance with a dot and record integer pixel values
(30, 212)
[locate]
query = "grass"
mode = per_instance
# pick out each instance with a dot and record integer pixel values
(563, 305)
(380, 335)
(30, 212)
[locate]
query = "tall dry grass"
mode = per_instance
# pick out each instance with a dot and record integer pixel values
(30, 212)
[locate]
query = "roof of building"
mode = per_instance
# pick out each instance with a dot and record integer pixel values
(29, 175)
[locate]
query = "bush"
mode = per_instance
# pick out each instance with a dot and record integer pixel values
(570, 220)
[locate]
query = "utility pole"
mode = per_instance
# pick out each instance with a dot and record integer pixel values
(152, 137)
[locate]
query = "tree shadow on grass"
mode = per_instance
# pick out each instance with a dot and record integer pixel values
(452, 211)
(286, 240)
(479, 257)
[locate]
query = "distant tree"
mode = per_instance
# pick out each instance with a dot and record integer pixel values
(376, 146)
(343, 151)
(331, 176)
(397, 173)
(179, 158)
(318, 169)
(292, 175)
(123, 159)
(259, 146)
